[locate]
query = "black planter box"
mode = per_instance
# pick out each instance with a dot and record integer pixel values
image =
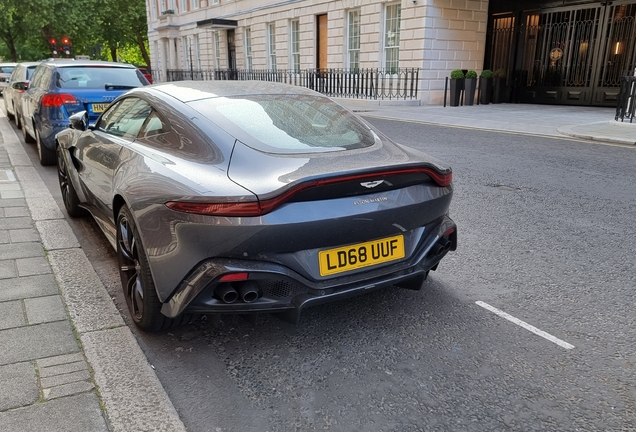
(470, 84)
(485, 90)
(456, 87)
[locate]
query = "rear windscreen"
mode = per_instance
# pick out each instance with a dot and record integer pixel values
(97, 77)
(287, 123)
(6, 69)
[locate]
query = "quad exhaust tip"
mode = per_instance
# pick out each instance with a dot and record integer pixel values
(247, 291)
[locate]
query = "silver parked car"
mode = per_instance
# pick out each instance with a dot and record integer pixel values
(5, 72)
(250, 197)
(17, 85)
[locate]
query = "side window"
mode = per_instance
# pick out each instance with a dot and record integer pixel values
(125, 119)
(154, 126)
(15, 74)
(37, 77)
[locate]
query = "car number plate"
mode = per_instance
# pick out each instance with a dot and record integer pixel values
(360, 255)
(99, 107)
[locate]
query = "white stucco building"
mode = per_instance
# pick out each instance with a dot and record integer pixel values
(435, 36)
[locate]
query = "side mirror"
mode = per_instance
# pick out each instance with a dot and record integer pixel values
(20, 85)
(79, 121)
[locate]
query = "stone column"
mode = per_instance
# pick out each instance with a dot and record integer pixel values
(163, 59)
(173, 53)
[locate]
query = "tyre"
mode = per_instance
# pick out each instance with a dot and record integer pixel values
(6, 109)
(46, 155)
(69, 195)
(27, 138)
(139, 289)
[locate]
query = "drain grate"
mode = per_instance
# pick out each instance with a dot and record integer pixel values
(280, 289)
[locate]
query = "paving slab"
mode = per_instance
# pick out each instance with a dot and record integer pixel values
(8, 269)
(44, 340)
(11, 315)
(26, 250)
(25, 287)
(45, 309)
(56, 234)
(24, 235)
(79, 413)
(19, 386)
(32, 266)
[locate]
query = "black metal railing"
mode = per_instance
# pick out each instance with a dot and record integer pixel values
(359, 83)
(626, 104)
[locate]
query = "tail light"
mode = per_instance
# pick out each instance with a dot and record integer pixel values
(56, 100)
(260, 208)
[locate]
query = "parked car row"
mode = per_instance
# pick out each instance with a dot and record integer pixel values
(42, 96)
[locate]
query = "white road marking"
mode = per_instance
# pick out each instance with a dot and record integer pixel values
(525, 325)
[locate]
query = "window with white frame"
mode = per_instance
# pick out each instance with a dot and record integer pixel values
(182, 6)
(248, 48)
(153, 10)
(215, 2)
(171, 5)
(392, 38)
(294, 30)
(194, 4)
(271, 46)
(197, 51)
(162, 5)
(217, 49)
(353, 40)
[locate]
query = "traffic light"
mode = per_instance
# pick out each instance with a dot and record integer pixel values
(66, 46)
(53, 45)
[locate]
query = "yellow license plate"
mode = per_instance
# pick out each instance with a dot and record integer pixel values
(360, 255)
(99, 107)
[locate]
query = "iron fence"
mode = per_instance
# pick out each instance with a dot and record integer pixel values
(626, 104)
(359, 83)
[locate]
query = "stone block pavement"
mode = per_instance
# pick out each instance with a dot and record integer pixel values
(67, 360)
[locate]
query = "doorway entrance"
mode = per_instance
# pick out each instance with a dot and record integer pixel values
(568, 55)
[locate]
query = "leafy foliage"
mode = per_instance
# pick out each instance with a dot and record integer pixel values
(457, 74)
(26, 26)
(486, 73)
(471, 74)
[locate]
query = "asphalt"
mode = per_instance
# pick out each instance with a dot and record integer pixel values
(68, 362)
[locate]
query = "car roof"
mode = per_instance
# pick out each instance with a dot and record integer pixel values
(188, 91)
(76, 63)
(8, 64)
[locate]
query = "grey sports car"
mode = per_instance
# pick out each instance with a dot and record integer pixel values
(248, 197)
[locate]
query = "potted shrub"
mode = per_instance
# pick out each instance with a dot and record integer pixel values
(498, 86)
(456, 86)
(470, 84)
(485, 86)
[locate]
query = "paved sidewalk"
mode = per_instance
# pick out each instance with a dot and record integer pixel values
(588, 123)
(68, 362)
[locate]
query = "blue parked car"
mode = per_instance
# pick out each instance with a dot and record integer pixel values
(60, 88)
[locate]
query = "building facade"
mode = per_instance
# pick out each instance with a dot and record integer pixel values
(548, 51)
(435, 36)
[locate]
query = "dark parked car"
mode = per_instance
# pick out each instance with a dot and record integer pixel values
(248, 197)
(60, 88)
(17, 85)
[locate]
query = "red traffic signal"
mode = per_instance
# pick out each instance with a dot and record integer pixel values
(66, 46)
(53, 45)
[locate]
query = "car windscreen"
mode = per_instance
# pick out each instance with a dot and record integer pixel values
(287, 123)
(6, 69)
(97, 77)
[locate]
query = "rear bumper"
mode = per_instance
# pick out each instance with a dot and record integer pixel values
(283, 290)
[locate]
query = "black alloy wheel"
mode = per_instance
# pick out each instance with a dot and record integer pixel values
(139, 289)
(46, 155)
(69, 195)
